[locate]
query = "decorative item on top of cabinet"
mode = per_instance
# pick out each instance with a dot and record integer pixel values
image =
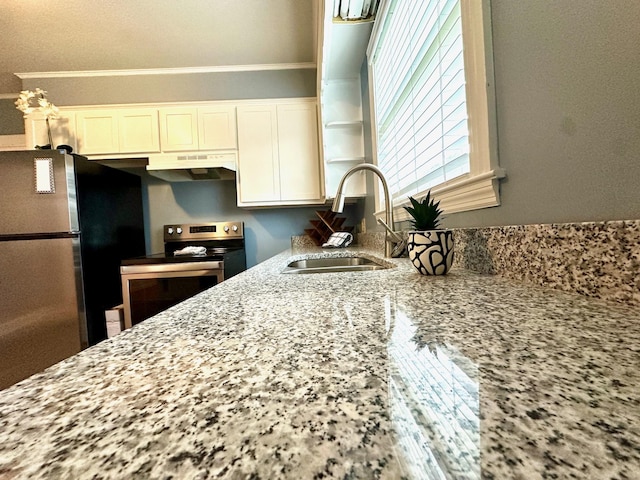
(63, 130)
(36, 101)
(326, 224)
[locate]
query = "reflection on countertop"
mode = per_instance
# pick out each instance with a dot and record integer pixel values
(377, 374)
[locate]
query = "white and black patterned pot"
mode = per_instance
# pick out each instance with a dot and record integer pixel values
(431, 251)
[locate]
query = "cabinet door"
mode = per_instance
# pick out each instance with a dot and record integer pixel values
(97, 132)
(138, 131)
(300, 174)
(258, 170)
(179, 129)
(63, 130)
(217, 128)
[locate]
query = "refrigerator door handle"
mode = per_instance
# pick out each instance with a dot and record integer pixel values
(14, 237)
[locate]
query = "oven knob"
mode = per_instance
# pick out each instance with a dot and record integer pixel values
(170, 230)
(235, 228)
(226, 228)
(179, 230)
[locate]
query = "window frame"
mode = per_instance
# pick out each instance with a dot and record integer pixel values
(479, 188)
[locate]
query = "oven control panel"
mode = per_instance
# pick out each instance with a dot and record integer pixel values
(203, 231)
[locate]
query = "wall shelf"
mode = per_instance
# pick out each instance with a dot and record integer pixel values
(344, 124)
(340, 57)
(346, 159)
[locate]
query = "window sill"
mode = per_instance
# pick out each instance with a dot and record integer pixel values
(460, 195)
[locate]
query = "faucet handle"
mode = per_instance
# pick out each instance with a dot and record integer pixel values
(394, 235)
(399, 244)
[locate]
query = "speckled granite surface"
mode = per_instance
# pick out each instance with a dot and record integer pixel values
(597, 259)
(382, 374)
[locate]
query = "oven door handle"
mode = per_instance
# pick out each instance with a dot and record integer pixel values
(171, 267)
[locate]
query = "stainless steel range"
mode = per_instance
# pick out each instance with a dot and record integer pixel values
(195, 258)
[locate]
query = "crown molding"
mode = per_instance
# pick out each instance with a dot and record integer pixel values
(167, 71)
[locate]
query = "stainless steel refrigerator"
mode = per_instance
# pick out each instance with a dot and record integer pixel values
(65, 225)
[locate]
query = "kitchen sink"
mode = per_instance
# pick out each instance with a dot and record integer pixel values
(333, 264)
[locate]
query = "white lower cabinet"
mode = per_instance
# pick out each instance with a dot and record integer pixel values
(278, 160)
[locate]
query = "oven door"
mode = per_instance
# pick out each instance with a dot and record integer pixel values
(151, 289)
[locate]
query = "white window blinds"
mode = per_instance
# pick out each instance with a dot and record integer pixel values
(419, 95)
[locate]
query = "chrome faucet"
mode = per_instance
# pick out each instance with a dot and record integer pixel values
(338, 201)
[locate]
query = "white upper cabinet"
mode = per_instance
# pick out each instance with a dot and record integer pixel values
(300, 170)
(97, 132)
(138, 130)
(258, 178)
(101, 132)
(217, 128)
(198, 128)
(179, 129)
(278, 162)
(63, 130)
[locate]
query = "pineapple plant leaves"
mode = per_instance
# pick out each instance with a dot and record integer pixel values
(425, 213)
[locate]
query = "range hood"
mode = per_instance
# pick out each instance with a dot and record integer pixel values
(184, 167)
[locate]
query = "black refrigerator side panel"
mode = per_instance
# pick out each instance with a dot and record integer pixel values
(112, 228)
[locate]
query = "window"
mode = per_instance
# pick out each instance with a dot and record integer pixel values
(433, 107)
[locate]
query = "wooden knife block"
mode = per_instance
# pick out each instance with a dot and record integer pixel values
(326, 224)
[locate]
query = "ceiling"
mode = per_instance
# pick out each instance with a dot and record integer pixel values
(85, 35)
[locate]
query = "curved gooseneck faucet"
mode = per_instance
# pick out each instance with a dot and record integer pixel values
(338, 201)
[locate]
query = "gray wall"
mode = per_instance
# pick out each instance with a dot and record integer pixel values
(9, 83)
(178, 87)
(267, 231)
(568, 103)
(11, 119)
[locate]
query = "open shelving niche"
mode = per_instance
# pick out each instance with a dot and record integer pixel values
(342, 53)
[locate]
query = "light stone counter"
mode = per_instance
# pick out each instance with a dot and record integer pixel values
(381, 374)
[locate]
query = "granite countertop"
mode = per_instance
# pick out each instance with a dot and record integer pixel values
(380, 374)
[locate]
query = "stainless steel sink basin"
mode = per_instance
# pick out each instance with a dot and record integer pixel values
(333, 264)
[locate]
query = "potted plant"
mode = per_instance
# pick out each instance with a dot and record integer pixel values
(430, 247)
